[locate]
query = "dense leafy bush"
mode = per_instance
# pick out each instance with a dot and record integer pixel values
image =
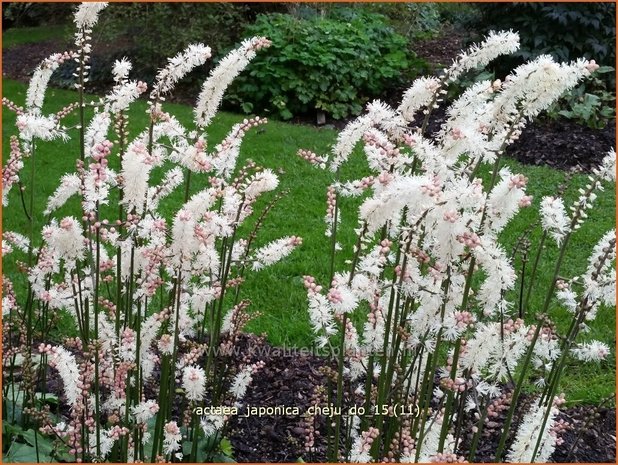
(590, 103)
(334, 64)
(413, 20)
(19, 14)
(565, 31)
(146, 33)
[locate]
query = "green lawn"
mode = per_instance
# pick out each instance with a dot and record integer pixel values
(28, 35)
(278, 292)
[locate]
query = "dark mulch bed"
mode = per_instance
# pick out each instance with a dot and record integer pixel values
(592, 441)
(19, 61)
(440, 51)
(289, 379)
(561, 144)
(564, 144)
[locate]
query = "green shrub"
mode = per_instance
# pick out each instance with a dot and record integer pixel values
(151, 32)
(566, 31)
(23, 14)
(590, 103)
(412, 20)
(333, 64)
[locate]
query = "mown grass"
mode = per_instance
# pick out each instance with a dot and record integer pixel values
(277, 292)
(28, 35)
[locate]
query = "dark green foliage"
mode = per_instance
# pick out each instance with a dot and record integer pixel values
(412, 20)
(334, 64)
(149, 33)
(590, 103)
(566, 31)
(20, 14)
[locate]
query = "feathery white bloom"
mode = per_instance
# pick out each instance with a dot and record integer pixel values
(106, 443)
(65, 364)
(467, 127)
(189, 156)
(373, 333)
(593, 351)
(378, 114)
(144, 411)
(431, 439)
(69, 186)
(7, 306)
(418, 96)
(122, 96)
(200, 203)
(87, 14)
(12, 169)
(603, 249)
(172, 179)
(202, 296)
(503, 200)
(479, 349)
(343, 299)
(39, 82)
(568, 298)
(184, 241)
(220, 78)
(487, 353)
(170, 128)
(554, 218)
(226, 153)
(12, 239)
(359, 452)
(121, 69)
(148, 332)
(477, 56)
(66, 241)
(178, 67)
(404, 191)
(607, 170)
(211, 424)
(166, 344)
(275, 251)
(229, 321)
(500, 274)
(241, 382)
(232, 205)
(470, 104)
(97, 130)
(207, 260)
(136, 167)
(546, 350)
(127, 346)
(528, 434)
(321, 316)
(534, 86)
(264, 181)
(486, 389)
(194, 382)
(599, 280)
(364, 287)
(171, 437)
(35, 126)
